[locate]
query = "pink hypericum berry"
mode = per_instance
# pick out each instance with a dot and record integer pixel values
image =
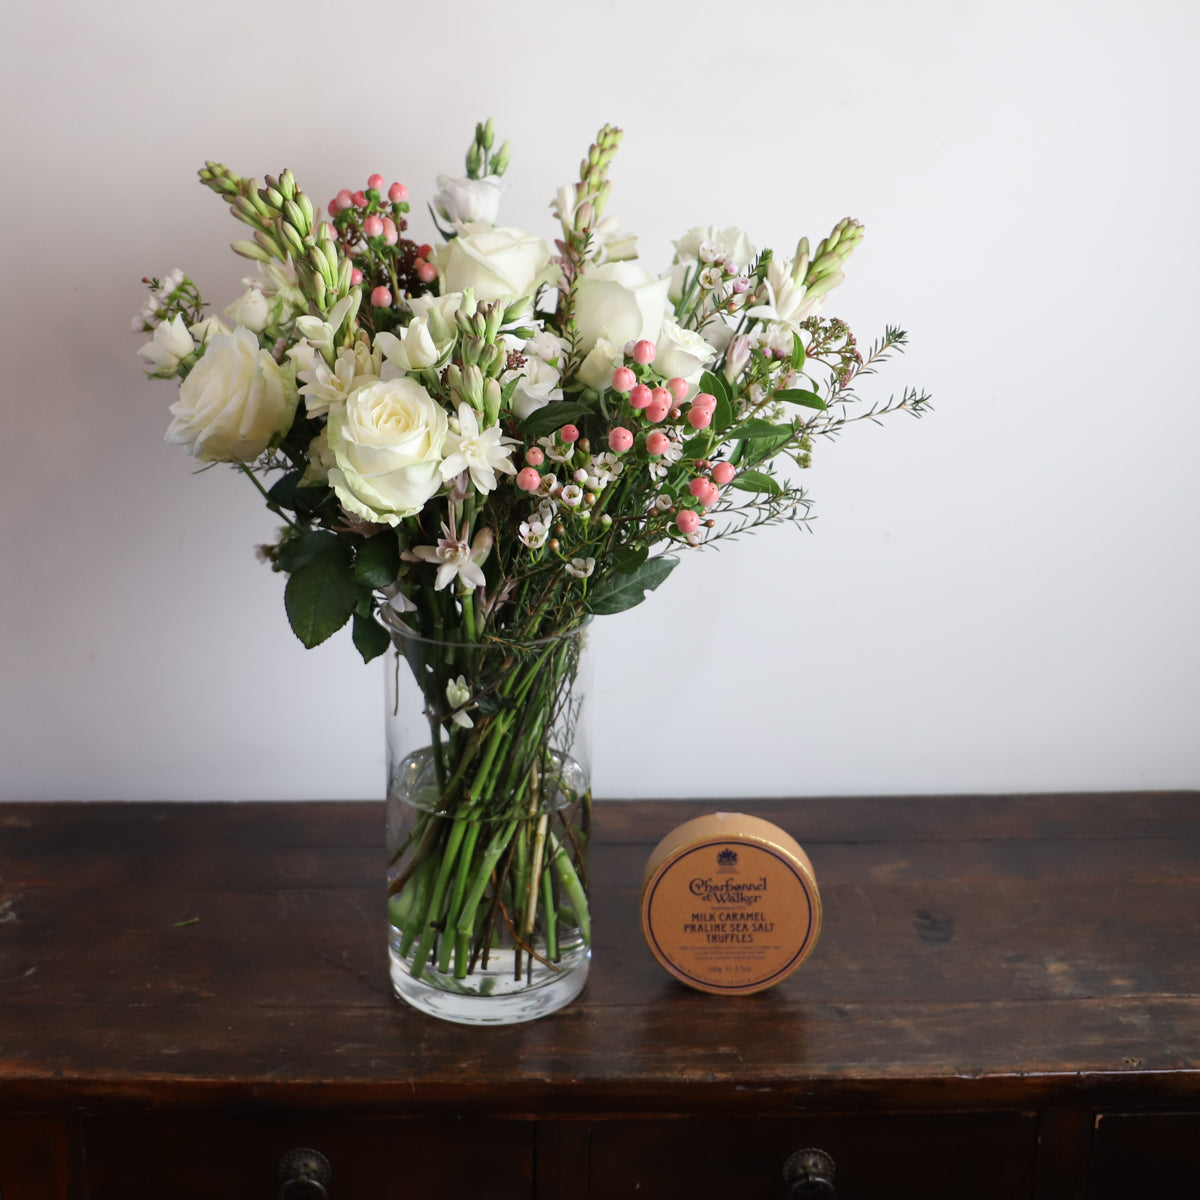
(661, 395)
(356, 277)
(679, 388)
(644, 352)
(698, 486)
(534, 456)
(708, 494)
(344, 199)
(620, 440)
(723, 472)
(391, 235)
(640, 396)
(699, 418)
(397, 193)
(569, 433)
(623, 379)
(658, 443)
(381, 298)
(528, 480)
(705, 400)
(376, 182)
(688, 521)
(658, 409)
(373, 227)
(427, 272)
(424, 250)
(360, 198)
(334, 208)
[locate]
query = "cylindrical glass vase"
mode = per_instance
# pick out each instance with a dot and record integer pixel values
(488, 819)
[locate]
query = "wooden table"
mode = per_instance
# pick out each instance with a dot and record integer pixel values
(1003, 1003)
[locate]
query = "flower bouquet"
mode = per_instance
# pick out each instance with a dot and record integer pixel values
(474, 447)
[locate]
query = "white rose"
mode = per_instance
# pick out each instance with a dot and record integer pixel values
(236, 400)
(538, 384)
(462, 200)
(416, 351)
(386, 442)
(596, 371)
(682, 353)
(496, 262)
(620, 302)
(250, 310)
(171, 345)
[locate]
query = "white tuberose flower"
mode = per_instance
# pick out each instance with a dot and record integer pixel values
(458, 695)
(483, 454)
(454, 559)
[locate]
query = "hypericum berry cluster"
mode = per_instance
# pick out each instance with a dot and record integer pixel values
(370, 226)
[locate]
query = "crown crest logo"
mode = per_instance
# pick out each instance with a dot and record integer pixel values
(727, 857)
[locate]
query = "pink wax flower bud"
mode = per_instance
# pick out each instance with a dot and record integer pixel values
(741, 285)
(356, 277)
(644, 352)
(620, 440)
(688, 521)
(569, 433)
(427, 272)
(640, 396)
(678, 388)
(397, 193)
(373, 227)
(723, 472)
(534, 456)
(376, 182)
(623, 380)
(657, 409)
(360, 198)
(391, 234)
(705, 400)
(381, 298)
(528, 480)
(658, 443)
(699, 418)
(344, 199)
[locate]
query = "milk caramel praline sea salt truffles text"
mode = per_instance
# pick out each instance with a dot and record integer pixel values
(730, 904)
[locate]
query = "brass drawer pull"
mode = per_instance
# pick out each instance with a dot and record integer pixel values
(808, 1175)
(304, 1175)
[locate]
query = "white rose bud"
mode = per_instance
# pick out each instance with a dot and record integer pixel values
(251, 310)
(596, 371)
(171, 345)
(620, 302)
(682, 353)
(236, 400)
(461, 201)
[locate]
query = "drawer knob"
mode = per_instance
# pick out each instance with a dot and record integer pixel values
(303, 1175)
(808, 1175)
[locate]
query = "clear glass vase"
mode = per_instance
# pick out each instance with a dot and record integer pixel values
(488, 819)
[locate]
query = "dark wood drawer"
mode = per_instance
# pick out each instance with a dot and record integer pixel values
(1145, 1154)
(35, 1158)
(926, 1157)
(199, 1159)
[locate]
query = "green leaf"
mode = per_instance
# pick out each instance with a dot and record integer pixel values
(370, 638)
(722, 415)
(378, 560)
(799, 396)
(320, 596)
(798, 352)
(283, 490)
(756, 481)
(714, 385)
(308, 545)
(554, 416)
(630, 558)
(757, 428)
(619, 592)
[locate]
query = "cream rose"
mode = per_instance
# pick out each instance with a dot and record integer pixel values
(682, 353)
(496, 262)
(236, 400)
(620, 302)
(386, 442)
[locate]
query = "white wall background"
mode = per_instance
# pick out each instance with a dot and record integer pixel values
(1001, 597)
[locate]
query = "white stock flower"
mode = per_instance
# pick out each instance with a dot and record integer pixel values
(250, 310)
(235, 401)
(461, 201)
(171, 344)
(387, 441)
(482, 454)
(620, 302)
(497, 262)
(682, 353)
